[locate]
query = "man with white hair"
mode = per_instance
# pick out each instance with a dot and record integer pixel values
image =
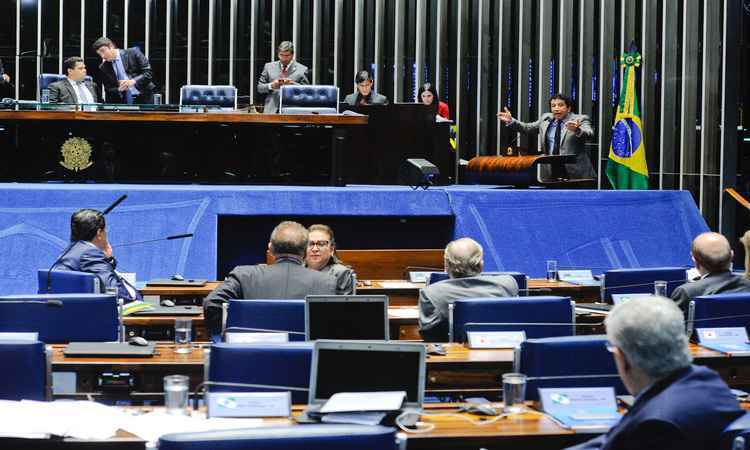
(464, 262)
(677, 405)
(712, 255)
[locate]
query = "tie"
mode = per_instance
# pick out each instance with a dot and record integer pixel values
(283, 72)
(120, 73)
(558, 125)
(81, 94)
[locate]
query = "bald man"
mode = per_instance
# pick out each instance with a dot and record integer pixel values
(713, 260)
(464, 261)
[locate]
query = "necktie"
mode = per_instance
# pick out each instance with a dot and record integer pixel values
(558, 125)
(283, 72)
(81, 93)
(121, 75)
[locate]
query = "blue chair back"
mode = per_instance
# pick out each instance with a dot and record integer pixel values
(521, 279)
(25, 371)
(703, 309)
(572, 361)
(67, 282)
(736, 436)
(640, 281)
(307, 437)
(286, 364)
(45, 79)
(219, 96)
(514, 312)
(280, 315)
(80, 318)
(308, 99)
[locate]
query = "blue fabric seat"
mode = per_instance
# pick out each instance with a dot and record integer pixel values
(513, 314)
(305, 437)
(24, 374)
(736, 436)
(548, 363)
(640, 281)
(217, 96)
(67, 282)
(703, 309)
(521, 279)
(277, 315)
(286, 364)
(309, 99)
(80, 318)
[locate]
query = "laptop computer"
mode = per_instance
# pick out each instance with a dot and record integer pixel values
(107, 349)
(351, 317)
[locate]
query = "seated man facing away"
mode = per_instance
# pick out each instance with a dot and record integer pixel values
(713, 259)
(463, 263)
(286, 278)
(677, 405)
(89, 251)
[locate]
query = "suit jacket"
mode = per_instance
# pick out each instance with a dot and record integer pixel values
(343, 275)
(285, 279)
(375, 99)
(137, 67)
(687, 410)
(435, 298)
(62, 92)
(272, 71)
(570, 143)
(84, 256)
(713, 283)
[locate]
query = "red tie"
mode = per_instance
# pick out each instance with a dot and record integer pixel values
(283, 72)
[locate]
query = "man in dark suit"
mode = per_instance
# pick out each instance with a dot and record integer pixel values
(4, 77)
(464, 263)
(677, 405)
(90, 251)
(75, 88)
(365, 95)
(561, 132)
(286, 278)
(126, 73)
(285, 71)
(712, 255)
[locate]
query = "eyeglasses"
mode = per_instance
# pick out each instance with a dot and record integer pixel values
(319, 244)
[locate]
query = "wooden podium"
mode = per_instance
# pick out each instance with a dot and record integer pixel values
(524, 171)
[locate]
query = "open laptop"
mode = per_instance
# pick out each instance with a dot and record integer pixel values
(351, 317)
(342, 366)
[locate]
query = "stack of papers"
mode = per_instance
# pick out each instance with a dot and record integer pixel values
(76, 419)
(361, 408)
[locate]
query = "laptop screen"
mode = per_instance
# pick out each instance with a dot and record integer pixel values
(368, 367)
(347, 317)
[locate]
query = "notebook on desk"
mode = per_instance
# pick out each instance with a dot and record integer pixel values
(109, 349)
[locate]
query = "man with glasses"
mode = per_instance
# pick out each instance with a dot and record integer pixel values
(75, 88)
(285, 279)
(285, 71)
(677, 405)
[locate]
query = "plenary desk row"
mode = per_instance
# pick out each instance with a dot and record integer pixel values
(461, 371)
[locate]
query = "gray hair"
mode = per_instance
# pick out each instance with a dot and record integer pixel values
(289, 238)
(651, 333)
(463, 258)
(285, 46)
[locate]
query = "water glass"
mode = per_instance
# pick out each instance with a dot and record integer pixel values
(176, 394)
(157, 99)
(183, 329)
(45, 96)
(551, 269)
(660, 288)
(514, 392)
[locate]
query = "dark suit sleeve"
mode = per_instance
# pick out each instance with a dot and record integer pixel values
(213, 304)
(432, 327)
(594, 444)
(93, 261)
(55, 93)
(145, 74)
(303, 79)
(681, 298)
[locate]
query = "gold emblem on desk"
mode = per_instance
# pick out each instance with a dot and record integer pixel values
(76, 153)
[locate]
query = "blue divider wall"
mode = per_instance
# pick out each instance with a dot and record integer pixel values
(519, 229)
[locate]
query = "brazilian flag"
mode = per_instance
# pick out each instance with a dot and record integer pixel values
(627, 167)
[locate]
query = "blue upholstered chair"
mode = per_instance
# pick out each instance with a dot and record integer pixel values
(512, 314)
(272, 315)
(60, 318)
(640, 281)
(25, 370)
(286, 364)
(702, 309)
(737, 435)
(46, 79)
(572, 361)
(67, 282)
(305, 437)
(309, 99)
(215, 96)
(521, 279)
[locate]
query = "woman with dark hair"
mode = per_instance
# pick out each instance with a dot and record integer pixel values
(428, 95)
(321, 256)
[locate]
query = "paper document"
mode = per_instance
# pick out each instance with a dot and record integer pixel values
(357, 418)
(397, 284)
(364, 401)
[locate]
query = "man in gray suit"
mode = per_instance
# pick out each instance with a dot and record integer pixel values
(365, 95)
(279, 73)
(712, 255)
(561, 132)
(464, 262)
(286, 278)
(75, 88)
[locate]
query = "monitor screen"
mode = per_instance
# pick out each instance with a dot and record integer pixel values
(347, 317)
(369, 370)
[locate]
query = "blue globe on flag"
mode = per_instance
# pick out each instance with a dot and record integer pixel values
(626, 138)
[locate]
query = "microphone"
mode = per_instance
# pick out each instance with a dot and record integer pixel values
(168, 238)
(51, 302)
(114, 205)
(49, 271)
(203, 385)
